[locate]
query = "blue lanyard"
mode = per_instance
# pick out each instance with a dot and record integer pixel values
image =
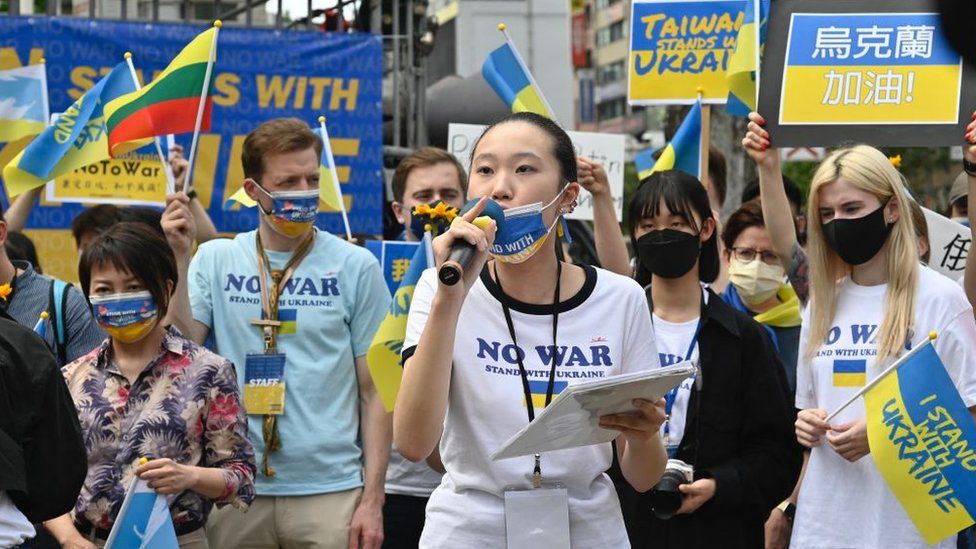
(673, 393)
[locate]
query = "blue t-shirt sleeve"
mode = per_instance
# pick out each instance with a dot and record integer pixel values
(198, 283)
(369, 310)
(82, 333)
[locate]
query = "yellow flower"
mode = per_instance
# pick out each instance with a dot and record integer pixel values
(895, 161)
(443, 211)
(421, 210)
(5, 291)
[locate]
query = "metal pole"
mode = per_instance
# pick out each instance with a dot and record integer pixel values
(125, 10)
(396, 73)
(411, 85)
(248, 16)
(155, 11)
(422, 138)
(186, 10)
(278, 17)
(91, 9)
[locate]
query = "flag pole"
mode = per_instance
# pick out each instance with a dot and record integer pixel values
(188, 184)
(758, 54)
(44, 98)
(706, 116)
(170, 182)
(888, 370)
(327, 149)
(518, 57)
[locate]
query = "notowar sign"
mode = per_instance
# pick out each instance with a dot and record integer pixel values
(678, 47)
(839, 69)
(259, 75)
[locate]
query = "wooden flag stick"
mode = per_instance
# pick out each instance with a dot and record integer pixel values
(188, 184)
(170, 180)
(706, 117)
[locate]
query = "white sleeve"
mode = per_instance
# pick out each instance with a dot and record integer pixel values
(640, 349)
(956, 345)
(423, 294)
(806, 394)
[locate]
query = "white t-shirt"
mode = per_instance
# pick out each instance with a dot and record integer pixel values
(406, 478)
(849, 505)
(673, 340)
(605, 329)
(14, 526)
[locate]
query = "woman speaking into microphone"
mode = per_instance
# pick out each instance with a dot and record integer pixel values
(482, 356)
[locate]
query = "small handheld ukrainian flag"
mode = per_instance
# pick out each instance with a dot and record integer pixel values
(682, 153)
(923, 440)
(743, 72)
(24, 107)
(77, 139)
(144, 520)
(507, 74)
(383, 356)
(41, 327)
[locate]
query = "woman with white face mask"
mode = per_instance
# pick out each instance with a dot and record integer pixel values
(485, 355)
(149, 392)
(758, 284)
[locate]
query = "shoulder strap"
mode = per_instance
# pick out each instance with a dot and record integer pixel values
(56, 310)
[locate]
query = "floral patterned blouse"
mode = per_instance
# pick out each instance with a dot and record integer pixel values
(185, 405)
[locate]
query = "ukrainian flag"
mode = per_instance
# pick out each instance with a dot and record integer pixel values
(741, 74)
(923, 441)
(289, 321)
(538, 390)
(510, 78)
(330, 193)
(850, 373)
(77, 139)
(23, 102)
(682, 153)
(383, 356)
(644, 161)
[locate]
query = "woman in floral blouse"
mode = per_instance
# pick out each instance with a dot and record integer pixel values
(149, 392)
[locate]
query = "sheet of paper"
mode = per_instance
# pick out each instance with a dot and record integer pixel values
(572, 420)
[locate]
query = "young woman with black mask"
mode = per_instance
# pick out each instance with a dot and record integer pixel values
(482, 357)
(870, 299)
(731, 423)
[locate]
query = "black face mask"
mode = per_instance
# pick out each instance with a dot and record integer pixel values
(857, 240)
(668, 253)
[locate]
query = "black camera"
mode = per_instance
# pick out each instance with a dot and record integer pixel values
(665, 496)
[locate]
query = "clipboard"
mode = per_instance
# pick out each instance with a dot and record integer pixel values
(572, 420)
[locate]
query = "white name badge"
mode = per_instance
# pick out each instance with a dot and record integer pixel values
(537, 519)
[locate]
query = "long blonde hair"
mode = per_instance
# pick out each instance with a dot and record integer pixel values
(865, 168)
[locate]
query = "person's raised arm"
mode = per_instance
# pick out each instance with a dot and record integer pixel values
(969, 153)
(777, 213)
(20, 209)
(421, 404)
(180, 229)
(206, 230)
(611, 248)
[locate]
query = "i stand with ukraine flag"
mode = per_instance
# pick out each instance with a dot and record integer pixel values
(923, 440)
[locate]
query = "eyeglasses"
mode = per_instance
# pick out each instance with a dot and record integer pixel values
(748, 254)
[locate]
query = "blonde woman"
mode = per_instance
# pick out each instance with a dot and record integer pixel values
(870, 300)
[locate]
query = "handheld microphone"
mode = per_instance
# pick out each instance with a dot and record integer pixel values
(452, 270)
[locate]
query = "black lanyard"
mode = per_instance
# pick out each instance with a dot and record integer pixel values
(529, 405)
(518, 355)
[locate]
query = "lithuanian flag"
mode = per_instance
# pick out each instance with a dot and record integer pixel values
(169, 104)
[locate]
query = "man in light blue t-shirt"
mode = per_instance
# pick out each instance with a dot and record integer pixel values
(323, 485)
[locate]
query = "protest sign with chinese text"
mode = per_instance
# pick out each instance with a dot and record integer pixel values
(948, 244)
(836, 70)
(677, 47)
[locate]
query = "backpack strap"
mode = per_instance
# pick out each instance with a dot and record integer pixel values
(58, 300)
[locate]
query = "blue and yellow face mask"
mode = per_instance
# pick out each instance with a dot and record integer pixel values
(126, 317)
(524, 232)
(292, 212)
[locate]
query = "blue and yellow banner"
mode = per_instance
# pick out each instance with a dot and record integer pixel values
(881, 68)
(384, 353)
(395, 257)
(259, 74)
(923, 440)
(678, 47)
